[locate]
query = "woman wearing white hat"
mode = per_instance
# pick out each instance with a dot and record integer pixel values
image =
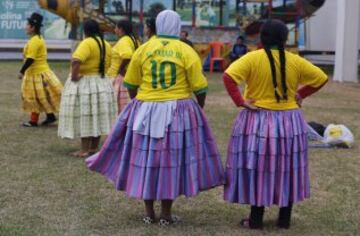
(161, 146)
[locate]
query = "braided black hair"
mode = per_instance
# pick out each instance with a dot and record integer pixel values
(274, 33)
(92, 29)
(126, 26)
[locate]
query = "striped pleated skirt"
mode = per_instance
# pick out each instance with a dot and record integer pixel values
(267, 160)
(185, 161)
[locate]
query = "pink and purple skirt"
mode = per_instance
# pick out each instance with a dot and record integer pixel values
(267, 162)
(121, 93)
(185, 161)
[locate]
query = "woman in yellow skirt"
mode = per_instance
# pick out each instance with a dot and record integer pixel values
(120, 57)
(88, 106)
(41, 89)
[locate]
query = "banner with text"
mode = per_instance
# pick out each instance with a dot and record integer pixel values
(13, 20)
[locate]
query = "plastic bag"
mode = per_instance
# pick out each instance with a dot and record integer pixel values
(338, 135)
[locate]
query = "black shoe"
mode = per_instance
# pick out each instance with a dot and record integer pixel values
(284, 217)
(48, 121)
(247, 224)
(29, 124)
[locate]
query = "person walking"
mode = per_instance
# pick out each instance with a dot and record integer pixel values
(40, 89)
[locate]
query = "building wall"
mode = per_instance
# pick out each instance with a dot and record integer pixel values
(321, 28)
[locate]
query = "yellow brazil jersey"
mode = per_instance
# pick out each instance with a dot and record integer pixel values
(123, 49)
(88, 53)
(151, 38)
(254, 69)
(36, 49)
(165, 69)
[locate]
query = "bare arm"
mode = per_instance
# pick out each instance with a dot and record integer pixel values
(75, 70)
(122, 69)
(132, 93)
(201, 99)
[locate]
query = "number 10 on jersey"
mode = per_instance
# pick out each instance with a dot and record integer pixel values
(158, 74)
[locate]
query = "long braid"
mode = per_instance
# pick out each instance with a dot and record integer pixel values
(102, 60)
(133, 39)
(127, 28)
(274, 33)
(283, 70)
(102, 54)
(92, 29)
(273, 72)
(132, 36)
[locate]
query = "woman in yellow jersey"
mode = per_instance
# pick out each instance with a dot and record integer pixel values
(150, 29)
(41, 89)
(161, 146)
(267, 162)
(88, 106)
(120, 57)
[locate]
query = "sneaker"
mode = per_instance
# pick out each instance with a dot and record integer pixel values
(29, 124)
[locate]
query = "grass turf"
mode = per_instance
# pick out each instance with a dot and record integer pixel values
(44, 191)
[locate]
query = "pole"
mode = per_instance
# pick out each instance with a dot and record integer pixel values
(193, 13)
(101, 6)
(270, 9)
(141, 16)
(81, 18)
(297, 22)
(244, 8)
(221, 12)
(347, 41)
(130, 10)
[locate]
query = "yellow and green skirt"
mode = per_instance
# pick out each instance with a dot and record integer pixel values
(41, 92)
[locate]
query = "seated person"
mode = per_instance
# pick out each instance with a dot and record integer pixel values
(184, 37)
(239, 49)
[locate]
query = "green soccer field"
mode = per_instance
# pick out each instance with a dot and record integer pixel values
(44, 191)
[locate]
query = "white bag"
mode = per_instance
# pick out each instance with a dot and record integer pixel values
(338, 135)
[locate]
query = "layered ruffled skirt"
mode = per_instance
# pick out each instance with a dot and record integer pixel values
(88, 108)
(267, 161)
(41, 92)
(160, 150)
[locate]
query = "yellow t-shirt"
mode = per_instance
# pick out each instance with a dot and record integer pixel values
(123, 49)
(254, 69)
(36, 49)
(165, 69)
(151, 38)
(88, 53)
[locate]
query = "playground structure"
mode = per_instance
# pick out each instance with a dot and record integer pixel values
(249, 14)
(248, 20)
